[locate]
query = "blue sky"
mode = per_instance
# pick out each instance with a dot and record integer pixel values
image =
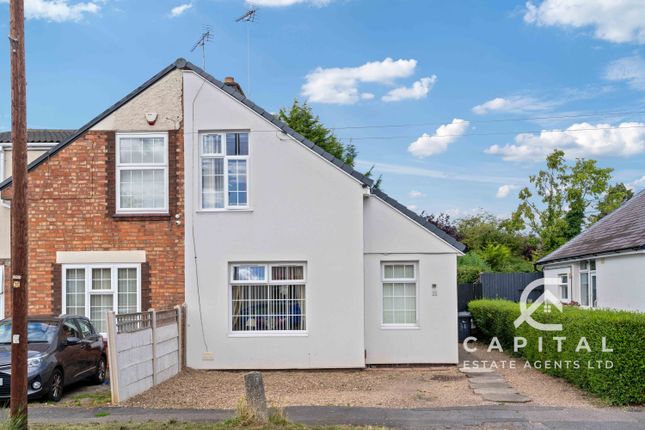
(478, 91)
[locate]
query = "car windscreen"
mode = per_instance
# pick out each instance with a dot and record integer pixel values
(37, 331)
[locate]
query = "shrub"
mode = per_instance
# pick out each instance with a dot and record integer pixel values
(624, 331)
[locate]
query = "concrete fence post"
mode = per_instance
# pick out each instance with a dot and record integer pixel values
(153, 325)
(112, 357)
(255, 397)
(180, 337)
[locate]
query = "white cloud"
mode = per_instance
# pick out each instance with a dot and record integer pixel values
(283, 3)
(446, 134)
(515, 104)
(415, 194)
(398, 169)
(617, 21)
(637, 184)
(339, 85)
(504, 191)
(578, 140)
(59, 10)
(178, 10)
(629, 69)
(417, 91)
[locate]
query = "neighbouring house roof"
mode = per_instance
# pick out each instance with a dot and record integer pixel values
(620, 231)
(39, 136)
(235, 92)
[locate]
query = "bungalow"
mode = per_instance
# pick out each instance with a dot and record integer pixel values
(604, 266)
(286, 257)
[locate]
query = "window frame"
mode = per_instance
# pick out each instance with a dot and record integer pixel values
(267, 282)
(568, 284)
(226, 158)
(114, 284)
(591, 273)
(400, 326)
(118, 166)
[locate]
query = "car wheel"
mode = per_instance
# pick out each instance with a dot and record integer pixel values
(99, 376)
(55, 392)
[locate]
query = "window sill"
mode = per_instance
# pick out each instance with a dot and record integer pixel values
(271, 334)
(218, 211)
(400, 327)
(142, 215)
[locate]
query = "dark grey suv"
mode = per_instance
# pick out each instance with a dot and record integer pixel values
(62, 350)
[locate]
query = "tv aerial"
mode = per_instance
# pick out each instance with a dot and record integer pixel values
(206, 37)
(248, 18)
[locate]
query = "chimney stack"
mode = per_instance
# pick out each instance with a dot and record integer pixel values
(230, 81)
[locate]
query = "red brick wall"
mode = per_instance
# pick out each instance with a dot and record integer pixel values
(71, 201)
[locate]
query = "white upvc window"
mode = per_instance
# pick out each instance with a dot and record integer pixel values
(400, 293)
(268, 298)
(588, 283)
(223, 177)
(142, 173)
(564, 287)
(91, 290)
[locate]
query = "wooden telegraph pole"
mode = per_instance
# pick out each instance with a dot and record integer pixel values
(18, 216)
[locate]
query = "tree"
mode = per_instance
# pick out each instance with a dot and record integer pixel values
(301, 118)
(615, 196)
(559, 205)
(443, 222)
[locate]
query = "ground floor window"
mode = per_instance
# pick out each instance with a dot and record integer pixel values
(268, 298)
(588, 283)
(563, 286)
(399, 294)
(93, 290)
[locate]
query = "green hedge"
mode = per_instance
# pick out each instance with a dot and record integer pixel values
(625, 333)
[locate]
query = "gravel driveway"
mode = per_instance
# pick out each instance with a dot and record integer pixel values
(414, 387)
(378, 387)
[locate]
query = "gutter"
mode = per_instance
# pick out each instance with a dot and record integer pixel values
(615, 253)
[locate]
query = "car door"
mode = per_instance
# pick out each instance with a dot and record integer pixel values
(70, 355)
(91, 346)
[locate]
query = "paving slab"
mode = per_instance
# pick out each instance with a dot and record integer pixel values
(476, 370)
(489, 385)
(486, 379)
(506, 398)
(496, 390)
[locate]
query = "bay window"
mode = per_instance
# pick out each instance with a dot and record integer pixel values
(399, 283)
(223, 176)
(142, 173)
(93, 290)
(268, 298)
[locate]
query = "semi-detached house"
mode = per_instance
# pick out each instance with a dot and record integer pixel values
(186, 191)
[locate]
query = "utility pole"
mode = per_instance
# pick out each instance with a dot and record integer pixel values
(18, 217)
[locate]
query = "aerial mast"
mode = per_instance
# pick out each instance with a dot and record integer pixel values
(248, 18)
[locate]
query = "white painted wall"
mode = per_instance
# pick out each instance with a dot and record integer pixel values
(620, 281)
(303, 209)
(389, 236)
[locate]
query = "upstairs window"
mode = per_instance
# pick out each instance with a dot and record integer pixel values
(224, 170)
(142, 173)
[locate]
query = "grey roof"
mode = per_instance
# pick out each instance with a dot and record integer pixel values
(182, 64)
(35, 135)
(622, 230)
